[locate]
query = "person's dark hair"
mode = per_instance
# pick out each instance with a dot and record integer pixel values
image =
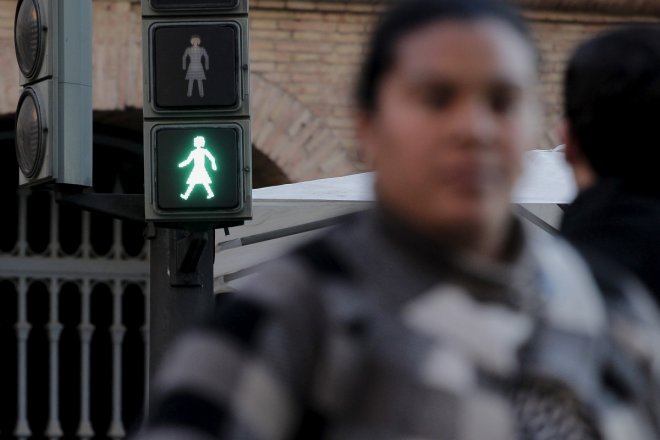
(407, 16)
(612, 103)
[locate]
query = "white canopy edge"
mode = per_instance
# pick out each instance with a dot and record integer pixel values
(546, 178)
(287, 215)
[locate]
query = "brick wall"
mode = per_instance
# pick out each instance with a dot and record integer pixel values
(308, 52)
(304, 58)
(8, 69)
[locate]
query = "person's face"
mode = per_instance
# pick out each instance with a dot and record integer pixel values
(453, 117)
(195, 41)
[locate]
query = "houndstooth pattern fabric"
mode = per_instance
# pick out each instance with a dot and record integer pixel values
(549, 411)
(369, 333)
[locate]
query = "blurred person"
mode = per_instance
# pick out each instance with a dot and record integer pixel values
(612, 108)
(436, 314)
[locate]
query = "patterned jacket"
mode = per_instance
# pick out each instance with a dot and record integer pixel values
(372, 333)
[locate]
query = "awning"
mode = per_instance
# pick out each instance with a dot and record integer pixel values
(286, 215)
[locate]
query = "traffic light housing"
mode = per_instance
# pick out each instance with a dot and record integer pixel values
(53, 43)
(197, 142)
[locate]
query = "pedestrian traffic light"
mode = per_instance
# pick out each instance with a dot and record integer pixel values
(197, 146)
(183, 56)
(53, 43)
(164, 5)
(200, 167)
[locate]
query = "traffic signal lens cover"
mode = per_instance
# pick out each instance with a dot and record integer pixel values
(28, 38)
(194, 4)
(198, 168)
(196, 66)
(30, 141)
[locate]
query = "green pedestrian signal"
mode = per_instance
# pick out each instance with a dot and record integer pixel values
(199, 175)
(199, 171)
(188, 175)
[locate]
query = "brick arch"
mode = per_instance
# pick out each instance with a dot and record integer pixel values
(292, 136)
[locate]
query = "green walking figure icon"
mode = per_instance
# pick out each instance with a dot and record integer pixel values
(199, 175)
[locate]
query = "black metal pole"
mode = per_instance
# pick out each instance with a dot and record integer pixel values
(181, 285)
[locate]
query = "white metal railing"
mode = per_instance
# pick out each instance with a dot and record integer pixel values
(86, 270)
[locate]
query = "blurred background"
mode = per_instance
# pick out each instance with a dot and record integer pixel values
(79, 282)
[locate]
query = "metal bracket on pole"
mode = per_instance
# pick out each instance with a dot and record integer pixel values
(188, 248)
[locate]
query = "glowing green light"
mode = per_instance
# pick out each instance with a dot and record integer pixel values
(199, 175)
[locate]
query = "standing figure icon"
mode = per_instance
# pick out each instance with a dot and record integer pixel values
(199, 175)
(199, 62)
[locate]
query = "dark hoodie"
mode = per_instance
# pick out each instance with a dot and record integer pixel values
(621, 224)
